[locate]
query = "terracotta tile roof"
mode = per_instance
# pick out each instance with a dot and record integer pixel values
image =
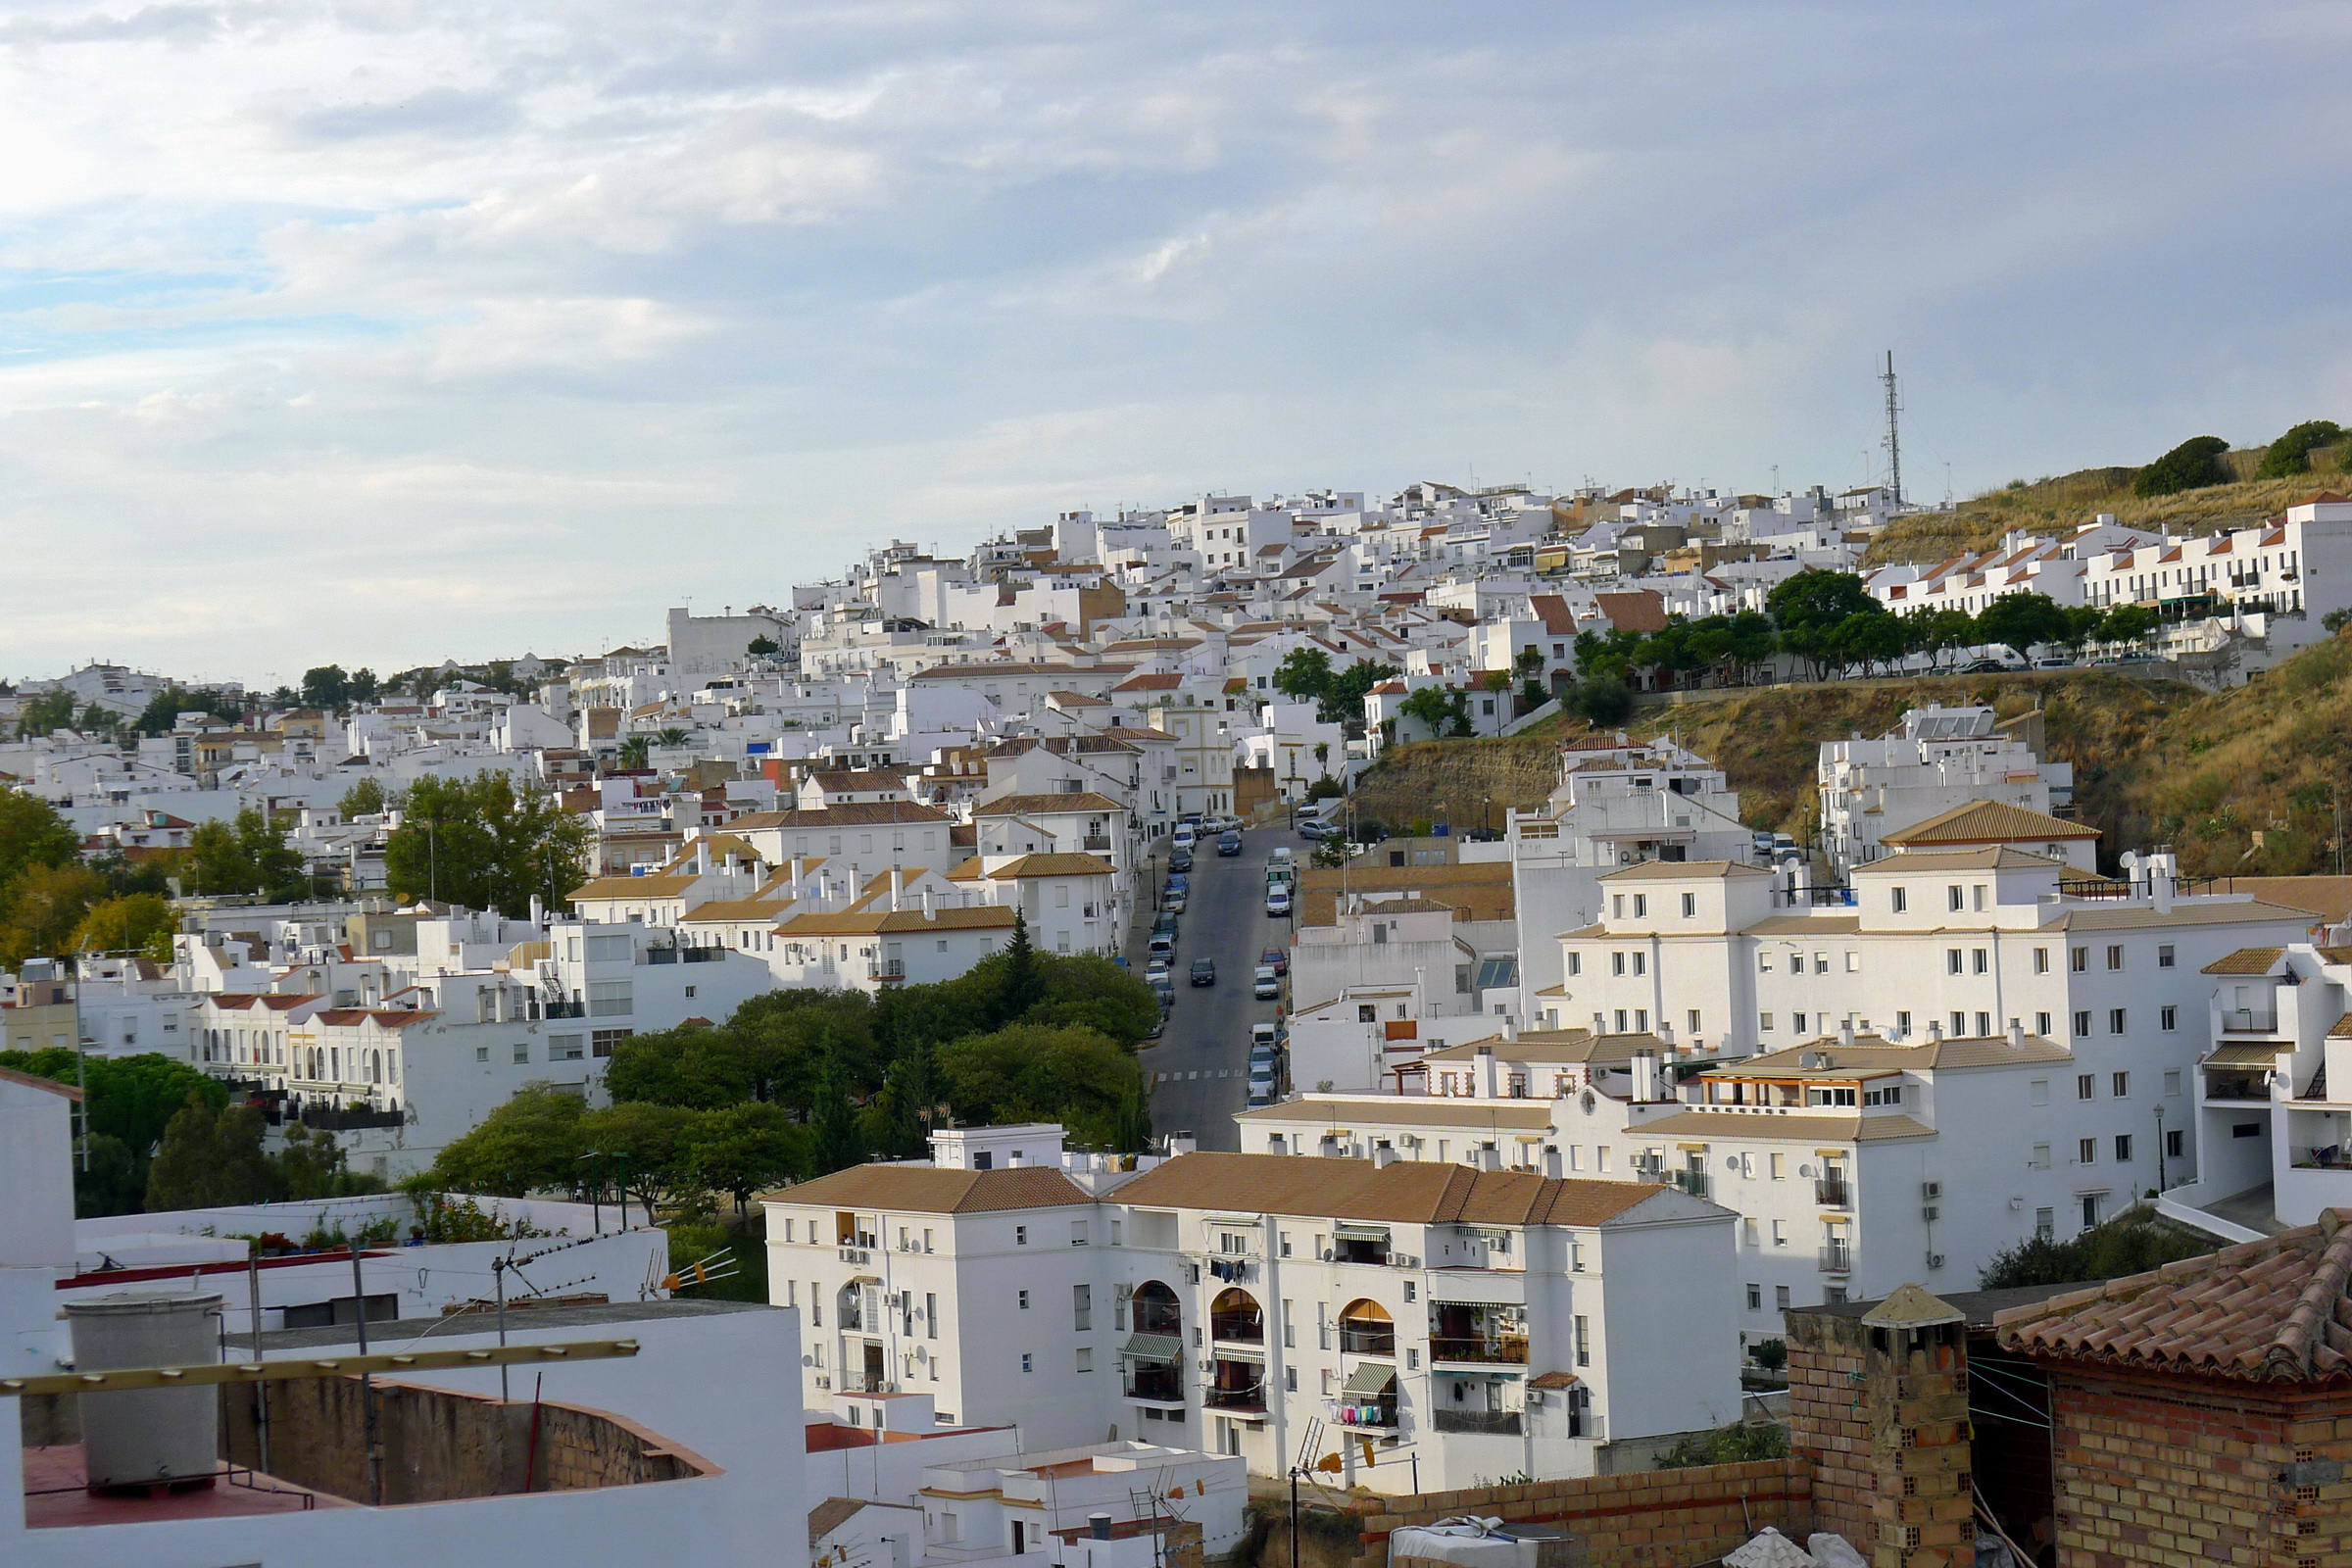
(2245, 960)
(1871, 1054)
(1994, 858)
(1685, 870)
(2098, 919)
(866, 922)
(929, 1190)
(2273, 1310)
(1034, 805)
(633, 887)
(1061, 865)
(1407, 1192)
(1549, 1045)
(2341, 1029)
(866, 814)
(1988, 822)
(1728, 1121)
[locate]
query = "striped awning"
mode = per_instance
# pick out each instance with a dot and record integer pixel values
(1354, 1232)
(1370, 1379)
(2243, 1056)
(1153, 1348)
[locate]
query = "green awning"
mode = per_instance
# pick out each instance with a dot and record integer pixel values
(1153, 1348)
(1370, 1379)
(1348, 1230)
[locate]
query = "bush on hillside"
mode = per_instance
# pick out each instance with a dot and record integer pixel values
(2131, 1243)
(2290, 454)
(2191, 465)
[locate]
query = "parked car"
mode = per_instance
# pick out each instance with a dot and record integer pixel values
(1184, 837)
(1181, 860)
(1173, 901)
(1278, 958)
(2057, 662)
(1261, 1038)
(1179, 882)
(1265, 984)
(1163, 944)
(1312, 830)
(1278, 902)
(1261, 1097)
(1229, 844)
(1165, 920)
(1158, 966)
(1205, 972)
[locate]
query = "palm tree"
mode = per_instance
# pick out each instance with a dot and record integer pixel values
(635, 752)
(671, 735)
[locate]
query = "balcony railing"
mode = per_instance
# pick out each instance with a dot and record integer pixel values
(1503, 1351)
(1152, 1380)
(1838, 1258)
(1234, 1400)
(1381, 1340)
(2239, 1086)
(1694, 1182)
(1375, 1416)
(1493, 1423)
(350, 1118)
(2248, 1020)
(702, 954)
(1833, 1192)
(888, 969)
(567, 1009)
(1096, 843)
(1237, 1329)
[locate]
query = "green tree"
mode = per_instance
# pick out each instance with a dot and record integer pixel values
(32, 833)
(1032, 1073)
(1304, 674)
(760, 646)
(367, 797)
(743, 1149)
(42, 909)
(326, 687)
(1019, 984)
(2126, 623)
(1603, 704)
(210, 1157)
(2129, 1244)
(1343, 701)
(46, 714)
(162, 713)
(835, 1142)
(2290, 454)
(636, 753)
(1496, 682)
(647, 1142)
(1872, 641)
(126, 924)
(1447, 713)
(2022, 621)
(2191, 465)
(483, 842)
(250, 856)
(364, 686)
(530, 1144)
(1811, 610)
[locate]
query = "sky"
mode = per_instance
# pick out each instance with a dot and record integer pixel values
(386, 331)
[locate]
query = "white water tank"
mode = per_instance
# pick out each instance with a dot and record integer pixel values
(143, 1436)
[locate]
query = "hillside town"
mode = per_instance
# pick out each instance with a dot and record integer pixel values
(1551, 1140)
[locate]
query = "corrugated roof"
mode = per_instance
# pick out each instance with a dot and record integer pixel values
(1407, 1192)
(2273, 1310)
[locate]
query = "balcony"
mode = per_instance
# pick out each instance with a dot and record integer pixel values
(1368, 1339)
(887, 971)
(565, 1010)
(1833, 1192)
(1247, 1397)
(1836, 1259)
(1491, 1423)
(2254, 1087)
(2247, 1020)
(1158, 1382)
(350, 1118)
(1694, 1182)
(1096, 843)
(1237, 1328)
(702, 954)
(1484, 1352)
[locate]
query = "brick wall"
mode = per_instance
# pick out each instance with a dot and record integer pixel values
(1645, 1519)
(1829, 1424)
(2182, 1471)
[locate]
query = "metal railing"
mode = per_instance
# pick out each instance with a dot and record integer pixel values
(1096, 843)
(1495, 1423)
(1235, 1329)
(1836, 1259)
(1381, 1340)
(567, 1009)
(1498, 1352)
(2248, 1022)
(1234, 1398)
(1833, 1192)
(1694, 1182)
(1154, 1381)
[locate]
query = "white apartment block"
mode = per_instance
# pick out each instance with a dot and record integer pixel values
(2273, 1095)
(1942, 758)
(1472, 1322)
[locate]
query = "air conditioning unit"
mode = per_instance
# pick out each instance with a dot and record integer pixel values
(1930, 1214)
(1935, 1260)
(1930, 1191)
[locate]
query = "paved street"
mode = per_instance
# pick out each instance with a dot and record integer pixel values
(1200, 1068)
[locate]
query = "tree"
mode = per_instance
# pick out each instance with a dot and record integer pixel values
(210, 1157)
(248, 856)
(672, 736)
(835, 1142)
(1323, 757)
(2126, 623)
(326, 687)
(745, 1147)
(32, 833)
(1343, 701)
(2290, 454)
(481, 842)
(1603, 703)
(1304, 674)
(636, 753)
(1811, 610)
(1445, 712)
(2129, 1244)
(162, 713)
(128, 1101)
(760, 646)
(46, 714)
(42, 909)
(126, 924)
(364, 686)
(647, 1142)
(1496, 682)
(530, 1144)
(1871, 641)
(313, 1165)
(367, 797)
(1019, 986)
(2191, 465)
(2022, 621)
(1031, 1073)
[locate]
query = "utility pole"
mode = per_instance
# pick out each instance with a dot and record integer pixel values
(372, 1442)
(1895, 445)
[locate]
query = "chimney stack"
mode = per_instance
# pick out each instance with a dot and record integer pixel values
(1645, 1076)
(1488, 1157)
(1934, 1031)
(1845, 1032)
(1510, 1026)
(929, 913)
(1183, 1143)
(1551, 1164)
(1486, 1081)
(898, 887)
(2016, 1035)
(1383, 1156)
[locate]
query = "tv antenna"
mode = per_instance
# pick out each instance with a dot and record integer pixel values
(1895, 445)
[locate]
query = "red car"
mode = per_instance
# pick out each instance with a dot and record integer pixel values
(1279, 957)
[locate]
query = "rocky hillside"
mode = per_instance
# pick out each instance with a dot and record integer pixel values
(2238, 782)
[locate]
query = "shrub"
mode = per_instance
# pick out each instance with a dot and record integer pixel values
(1736, 1443)
(2191, 465)
(2129, 1244)
(2290, 454)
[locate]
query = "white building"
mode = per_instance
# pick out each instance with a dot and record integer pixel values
(1942, 758)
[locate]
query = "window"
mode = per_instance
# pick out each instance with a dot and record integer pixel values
(1780, 1167)
(1779, 1233)
(2045, 1224)
(2041, 1024)
(2041, 960)
(602, 1041)
(1955, 898)
(1021, 1298)
(1694, 1016)
(1959, 1025)
(2175, 1143)
(1755, 1297)
(1977, 895)
(2172, 1082)
(1584, 1341)
(1796, 1021)
(2164, 956)
(2115, 956)
(2167, 1018)
(1976, 961)
(2086, 1150)
(608, 998)
(2092, 1203)
(566, 1047)
(1853, 963)
(2123, 1148)
(1889, 1094)
(2115, 1020)
(1617, 963)
(1983, 1026)
(1764, 1022)
(522, 1052)
(1020, 1238)
(1621, 1025)
(1780, 1296)
(1829, 1096)
(1689, 905)
(1082, 1308)
(930, 1315)
(1616, 905)
(2037, 1093)
(1028, 1361)
(2083, 1021)
(1902, 899)
(1953, 961)
(1640, 906)
(482, 1053)
(1902, 1023)
(1576, 963)
(2078, 959)
(1763, 962)
(2039, 1159)
(2087, 1085)
(2120, 1084)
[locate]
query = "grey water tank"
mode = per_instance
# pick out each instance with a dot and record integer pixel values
(142, 1436)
